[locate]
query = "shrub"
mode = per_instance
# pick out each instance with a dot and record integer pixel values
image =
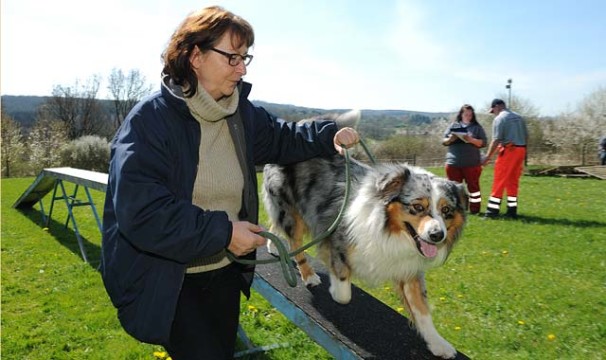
(87, 152)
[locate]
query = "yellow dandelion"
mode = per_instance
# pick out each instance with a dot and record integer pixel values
(252, 308)
(551, 337)
(442, 298)
(505, 252)
(160, 354)
(400, 309)
(457, 328)
(521, 322)
(386, 288)
(460, 296)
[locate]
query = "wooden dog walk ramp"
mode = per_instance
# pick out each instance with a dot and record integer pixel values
(598, 171)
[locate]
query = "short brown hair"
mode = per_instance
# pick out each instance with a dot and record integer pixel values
(203, 28)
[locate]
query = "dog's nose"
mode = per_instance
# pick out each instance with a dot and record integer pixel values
(436, 236)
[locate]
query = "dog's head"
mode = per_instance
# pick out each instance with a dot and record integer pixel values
(428, 211)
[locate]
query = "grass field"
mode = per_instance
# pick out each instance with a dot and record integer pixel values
(533, 288)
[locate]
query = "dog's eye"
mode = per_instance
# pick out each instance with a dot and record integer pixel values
(418, 207)
(446, 210)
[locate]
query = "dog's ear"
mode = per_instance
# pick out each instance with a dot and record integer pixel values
(463, 195)
(390, 183)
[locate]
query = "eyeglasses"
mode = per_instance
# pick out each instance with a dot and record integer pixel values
(235, 59)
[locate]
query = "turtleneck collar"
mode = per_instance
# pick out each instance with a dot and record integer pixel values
(204, 107)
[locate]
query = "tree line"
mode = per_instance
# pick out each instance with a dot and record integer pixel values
(73, 128)
(570, 138)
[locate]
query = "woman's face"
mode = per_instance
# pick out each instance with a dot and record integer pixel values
(213, 71)
(467, 115)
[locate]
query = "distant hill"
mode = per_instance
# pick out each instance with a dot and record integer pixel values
(22, 108)
(284, 110)
(376, 123)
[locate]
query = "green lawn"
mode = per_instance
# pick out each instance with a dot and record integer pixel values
(534, 288)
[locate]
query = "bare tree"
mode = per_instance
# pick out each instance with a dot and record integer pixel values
(13, 145)
(78, 108)
(126, 91)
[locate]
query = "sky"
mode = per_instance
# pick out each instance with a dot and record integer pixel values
(420, 55)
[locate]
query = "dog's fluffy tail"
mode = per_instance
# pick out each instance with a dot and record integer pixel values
(346, 119)
(349, 119)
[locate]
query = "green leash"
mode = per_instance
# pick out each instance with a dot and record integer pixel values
(283, 255)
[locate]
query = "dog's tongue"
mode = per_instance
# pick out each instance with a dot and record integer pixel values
(428, 250)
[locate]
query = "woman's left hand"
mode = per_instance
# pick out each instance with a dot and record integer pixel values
(347, 137)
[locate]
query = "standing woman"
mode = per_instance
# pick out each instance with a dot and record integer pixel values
(182, 190)
(464, 138)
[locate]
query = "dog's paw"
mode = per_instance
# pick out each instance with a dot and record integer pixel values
(340, 290)
(271, 248)
(442, 348)
(312, 280)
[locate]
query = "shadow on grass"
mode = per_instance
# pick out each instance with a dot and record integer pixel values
(555, 221)
(66, 236)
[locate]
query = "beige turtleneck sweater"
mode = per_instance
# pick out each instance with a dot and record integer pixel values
(220, 181)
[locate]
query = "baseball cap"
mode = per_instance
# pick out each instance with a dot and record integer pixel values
(494, 103)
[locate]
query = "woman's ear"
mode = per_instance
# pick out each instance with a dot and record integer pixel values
(195, 58)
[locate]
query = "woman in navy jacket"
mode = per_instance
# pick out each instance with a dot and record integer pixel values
(182, 190)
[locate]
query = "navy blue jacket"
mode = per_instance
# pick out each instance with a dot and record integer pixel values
(151, 229)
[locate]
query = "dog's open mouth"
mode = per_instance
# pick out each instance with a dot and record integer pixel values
(426, 249)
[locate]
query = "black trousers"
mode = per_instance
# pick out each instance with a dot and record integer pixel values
(207, 316)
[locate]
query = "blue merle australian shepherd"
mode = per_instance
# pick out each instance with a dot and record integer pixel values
(401, 221)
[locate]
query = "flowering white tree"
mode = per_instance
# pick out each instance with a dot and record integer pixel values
(13, 146)
(592, 112)
(88, 152)
(580, 131)
(46, 141)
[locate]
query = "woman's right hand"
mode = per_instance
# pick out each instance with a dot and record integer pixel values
(449, 139)
(245, 238)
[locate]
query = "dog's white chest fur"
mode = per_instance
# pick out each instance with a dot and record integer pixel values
(387, 259)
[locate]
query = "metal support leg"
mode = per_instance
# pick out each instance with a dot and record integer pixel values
(92, 205)
(69, 202)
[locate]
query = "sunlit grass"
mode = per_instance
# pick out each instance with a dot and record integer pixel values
(534, 288)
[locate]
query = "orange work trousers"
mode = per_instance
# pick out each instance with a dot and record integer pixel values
(507, 170)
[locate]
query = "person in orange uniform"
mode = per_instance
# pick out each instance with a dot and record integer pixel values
(509, 139)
